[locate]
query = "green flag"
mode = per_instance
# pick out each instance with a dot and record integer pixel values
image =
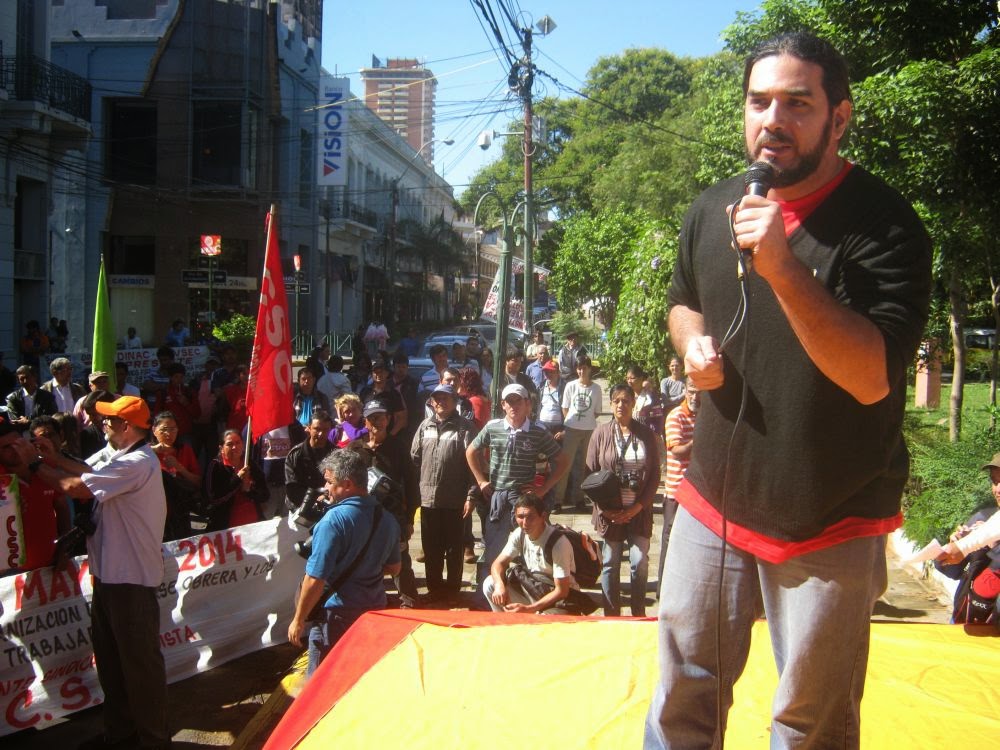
(104, 330)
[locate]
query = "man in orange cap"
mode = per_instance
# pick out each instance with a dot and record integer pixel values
(129, 511)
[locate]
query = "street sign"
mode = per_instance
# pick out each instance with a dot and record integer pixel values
(303, 288)
(200, 276)
(211, 245)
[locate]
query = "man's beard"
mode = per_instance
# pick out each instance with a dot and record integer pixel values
(807, 164)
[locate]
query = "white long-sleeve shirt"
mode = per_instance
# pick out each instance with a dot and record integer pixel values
(985, 535)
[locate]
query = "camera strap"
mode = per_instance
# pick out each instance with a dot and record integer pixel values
(622, 444)
(349, 570)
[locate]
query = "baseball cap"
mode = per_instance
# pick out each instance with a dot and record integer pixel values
(514, 389)
(95, 375)
(994, 462)
(132, 409)
(380, 364)
(551, 366)
(375, 407)
(444, 388)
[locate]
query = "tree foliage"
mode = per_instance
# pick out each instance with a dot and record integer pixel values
(640, 333)
(596, 253)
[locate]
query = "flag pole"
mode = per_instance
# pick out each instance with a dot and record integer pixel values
(252, 381)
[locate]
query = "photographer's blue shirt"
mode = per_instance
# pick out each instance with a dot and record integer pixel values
(338, 538)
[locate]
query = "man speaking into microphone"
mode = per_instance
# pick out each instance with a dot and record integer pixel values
(800, 459)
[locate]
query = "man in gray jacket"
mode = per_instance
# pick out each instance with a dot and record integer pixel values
(438, 452)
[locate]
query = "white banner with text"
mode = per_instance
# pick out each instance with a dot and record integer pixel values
(224, 594)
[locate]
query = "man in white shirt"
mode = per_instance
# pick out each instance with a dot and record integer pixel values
(123, 481)
(132, 340)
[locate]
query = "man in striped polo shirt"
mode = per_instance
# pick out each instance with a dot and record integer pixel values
(680, 440)
(515, 445)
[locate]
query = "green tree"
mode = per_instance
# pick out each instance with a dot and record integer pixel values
(640, 335)
(437, 246)
(925, 75)
(595, 254)
(584, 135)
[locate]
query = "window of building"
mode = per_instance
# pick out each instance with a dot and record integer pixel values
(130, 152)
(133, 255)
(216, 143)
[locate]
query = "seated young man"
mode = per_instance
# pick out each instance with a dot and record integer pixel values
(526, 547)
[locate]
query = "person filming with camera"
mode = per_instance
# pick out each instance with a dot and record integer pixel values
(628, 448)
(354, 545)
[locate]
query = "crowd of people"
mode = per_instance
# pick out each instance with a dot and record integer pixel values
(444, 456)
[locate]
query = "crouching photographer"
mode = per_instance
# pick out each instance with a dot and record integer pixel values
(354, 544)
(536, 572)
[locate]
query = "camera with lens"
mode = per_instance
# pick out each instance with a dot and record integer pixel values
(83, 526)
(381, 486)
(315, 504)
(630, 480)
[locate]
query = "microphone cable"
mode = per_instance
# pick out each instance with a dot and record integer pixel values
(741, 321)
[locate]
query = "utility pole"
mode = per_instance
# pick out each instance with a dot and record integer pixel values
(389, 315)
(527, 79)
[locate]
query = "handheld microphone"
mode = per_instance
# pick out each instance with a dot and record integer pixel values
(759, 178)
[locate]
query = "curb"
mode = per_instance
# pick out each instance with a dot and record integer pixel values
(258, 729)
(941, 586)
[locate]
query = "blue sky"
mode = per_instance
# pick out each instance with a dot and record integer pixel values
(471, 92)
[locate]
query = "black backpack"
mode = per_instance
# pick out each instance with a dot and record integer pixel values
(969, 607)
(586, 554)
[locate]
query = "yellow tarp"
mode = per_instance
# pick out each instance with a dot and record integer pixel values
(588, 684)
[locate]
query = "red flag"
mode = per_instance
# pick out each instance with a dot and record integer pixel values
(269, 392)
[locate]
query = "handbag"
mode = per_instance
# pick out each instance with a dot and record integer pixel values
(534, 587)
(603, 489)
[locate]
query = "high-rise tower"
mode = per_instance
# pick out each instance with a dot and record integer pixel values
(401, 92)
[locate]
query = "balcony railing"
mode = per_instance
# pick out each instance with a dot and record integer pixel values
(29, 78)
(344, 209)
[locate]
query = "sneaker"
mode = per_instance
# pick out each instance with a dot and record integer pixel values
(471, 556)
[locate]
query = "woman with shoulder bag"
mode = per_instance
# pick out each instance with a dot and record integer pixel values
(630, 450)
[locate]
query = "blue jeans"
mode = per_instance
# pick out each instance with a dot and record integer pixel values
(574, 444)
(497, 525)
(324, 634)
(818, 608)
(669, 512)
(638, 558)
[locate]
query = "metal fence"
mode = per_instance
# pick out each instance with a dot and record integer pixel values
(339, 341)
(30, 78)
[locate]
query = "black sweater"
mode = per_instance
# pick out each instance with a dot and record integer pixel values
(807, 454)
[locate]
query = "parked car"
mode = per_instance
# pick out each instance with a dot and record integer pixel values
(457, 335)
(421, 362)
(488, 331)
